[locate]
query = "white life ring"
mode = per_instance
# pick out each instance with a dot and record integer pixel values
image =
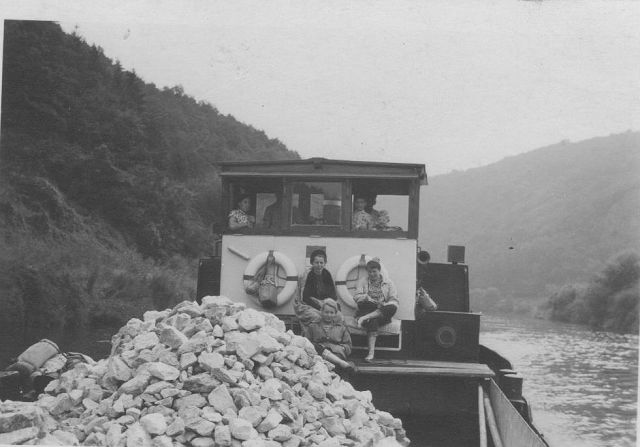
(343, 272)
(289, 268)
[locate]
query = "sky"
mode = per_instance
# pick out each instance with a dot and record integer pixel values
(454, 85)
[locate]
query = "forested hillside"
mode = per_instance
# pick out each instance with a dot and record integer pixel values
(108, 184)
(535, 222)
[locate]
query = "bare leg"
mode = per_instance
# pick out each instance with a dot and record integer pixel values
(371, 338)
(330, 356)
(375, 314)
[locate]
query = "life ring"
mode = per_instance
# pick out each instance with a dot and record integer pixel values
(289, 268)
(343, 273)
(446, 336)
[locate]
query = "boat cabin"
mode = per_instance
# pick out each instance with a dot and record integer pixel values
(298, 206)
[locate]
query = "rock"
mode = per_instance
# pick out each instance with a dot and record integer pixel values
(250, 320)
(154, 423)
(162, 441)
(145, 340)
(175, 428)
(222, 436)
(210, 361)
(191, 400)
(333, 426)
(217, 331)
(253, 414)
(201, 426)
(280, 433)
(229, 324)
(200, 383)
(67, 438)
(221, 400)
(62, 403)
(137, 437)
(187, 359)
(317, 390)
(190, 308)
(172, 337)
(113, 435)
(270, 422)
(19, 436)
(118, 369)
(247, 348)
(163, 371)
(136, 385)
(23, 418)
(202, 442)
(211, 415)
(240, 429)
(271, 389)
(227, 375)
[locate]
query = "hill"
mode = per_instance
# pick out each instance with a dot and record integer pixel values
(108, 184)
(535, 222)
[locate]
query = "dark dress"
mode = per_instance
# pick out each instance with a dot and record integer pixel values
(318, 286)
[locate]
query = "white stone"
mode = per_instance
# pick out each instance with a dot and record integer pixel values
(250, 320)
(210, 361)
(154, 423)
(222, 436)
(162, 441)
(145, 340)
(254, 414)
(240, 429)
(221, 400)
(280, 433)
(118, 369)
(137, 437)
(136, 385)
(172, 337)
(271, 389)
(271, 421)
(202, 442)
(18, 436)
(163, 371)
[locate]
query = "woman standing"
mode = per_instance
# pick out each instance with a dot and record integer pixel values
(377, 301)
(319, 284)
(330, 336)
(239, 217)
(361, 220)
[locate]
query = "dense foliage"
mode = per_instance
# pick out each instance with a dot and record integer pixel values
(142, 159)
(108, 185)
(608, 302)
(534, 222)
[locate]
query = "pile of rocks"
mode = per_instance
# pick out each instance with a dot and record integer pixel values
(207, 375)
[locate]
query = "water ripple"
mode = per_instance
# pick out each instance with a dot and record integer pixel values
(582, 385)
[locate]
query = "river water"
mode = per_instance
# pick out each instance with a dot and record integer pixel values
(582, 385)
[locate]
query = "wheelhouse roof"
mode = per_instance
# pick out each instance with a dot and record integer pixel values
(325, 168)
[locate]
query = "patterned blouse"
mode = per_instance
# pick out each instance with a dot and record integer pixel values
(240, 217)
(362, 221)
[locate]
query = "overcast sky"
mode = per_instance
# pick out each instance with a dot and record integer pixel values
(451, 84)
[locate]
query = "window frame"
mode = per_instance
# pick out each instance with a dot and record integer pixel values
(342, 230)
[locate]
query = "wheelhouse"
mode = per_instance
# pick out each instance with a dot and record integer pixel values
(315, 197)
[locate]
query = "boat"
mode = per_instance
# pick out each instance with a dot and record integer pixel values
(430, 369)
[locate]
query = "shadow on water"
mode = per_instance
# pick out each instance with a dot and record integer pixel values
(582, 385)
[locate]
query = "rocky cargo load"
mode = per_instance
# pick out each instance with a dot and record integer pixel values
(207, 375)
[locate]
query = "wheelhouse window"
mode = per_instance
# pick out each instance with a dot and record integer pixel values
(316, 203)
(254, 206)
(381, 206)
